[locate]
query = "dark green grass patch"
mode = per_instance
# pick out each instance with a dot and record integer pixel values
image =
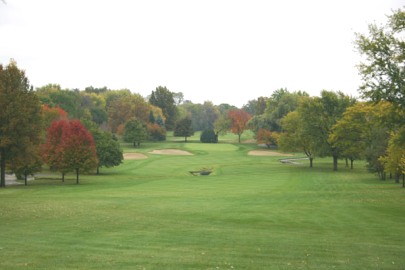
(250, 213)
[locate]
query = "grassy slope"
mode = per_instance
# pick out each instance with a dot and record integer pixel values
(251, 213)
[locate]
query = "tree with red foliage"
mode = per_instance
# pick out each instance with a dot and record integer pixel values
(239, 119)
(51, 153)
(70, 146)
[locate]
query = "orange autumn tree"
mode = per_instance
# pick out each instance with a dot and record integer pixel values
(70, 147)
(267, 137)
(239, 121)
(51, 114)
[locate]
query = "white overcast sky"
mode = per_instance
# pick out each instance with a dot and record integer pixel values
(224, 51)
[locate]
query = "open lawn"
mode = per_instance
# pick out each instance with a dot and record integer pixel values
(252, 212)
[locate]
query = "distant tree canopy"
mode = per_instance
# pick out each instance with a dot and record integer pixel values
(164, 99)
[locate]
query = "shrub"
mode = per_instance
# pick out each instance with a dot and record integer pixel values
(156, 132)
(208, 136)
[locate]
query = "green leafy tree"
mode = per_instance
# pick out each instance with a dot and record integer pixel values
(164, 99)
(203, 116)
(222, 125)
(108, 149)
(279, 105)
(183, 128)
(135, 132)
(392, 161)
(256, 106)
(208, 136)
(294, 138)
(348, 134)
(20, 116)
(319, 115)
(26, 161)
(383, 69)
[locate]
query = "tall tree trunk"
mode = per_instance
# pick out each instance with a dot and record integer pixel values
(311, 162)
(77, 176)
(63, 177)
(351, 163)
(2, 168)
(25, 178)
(239, 137)
(335, 163)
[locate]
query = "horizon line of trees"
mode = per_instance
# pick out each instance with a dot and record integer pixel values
(332, 124)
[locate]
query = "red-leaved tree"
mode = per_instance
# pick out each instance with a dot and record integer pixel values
(70, 146)
(239, 119)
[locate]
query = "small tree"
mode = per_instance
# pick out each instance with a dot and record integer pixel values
(26, 162)
(156, 132)
(70, 146)
(183, 128)
(267, 137)
(240, 119)
(208, 136)
(78, 148)
(109, 152)
(135, 132)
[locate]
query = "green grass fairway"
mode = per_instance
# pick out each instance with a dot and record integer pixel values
(252, 212)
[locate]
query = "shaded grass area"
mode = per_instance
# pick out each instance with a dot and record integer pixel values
(251, 213)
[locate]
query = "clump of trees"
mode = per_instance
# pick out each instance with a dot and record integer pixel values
(330, 125)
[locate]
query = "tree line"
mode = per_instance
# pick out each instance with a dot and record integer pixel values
(340, 126)
(38, 126)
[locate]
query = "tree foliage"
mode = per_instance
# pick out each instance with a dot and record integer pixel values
(318, 115)
(70, 147)
(239, 121)
(293, 137)
(108, 149)
(135, 132)
(20, 117)
(164, 99)
(383, 68)
(208, 136)
(267, 137)
(183, 128)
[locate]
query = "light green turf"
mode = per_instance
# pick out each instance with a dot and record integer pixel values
(251, 213)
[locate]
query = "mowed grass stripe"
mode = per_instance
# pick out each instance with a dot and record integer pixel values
(251, 213)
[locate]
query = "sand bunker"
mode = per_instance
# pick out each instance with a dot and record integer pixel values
(171, 152)
(268, 153)
(132, 156)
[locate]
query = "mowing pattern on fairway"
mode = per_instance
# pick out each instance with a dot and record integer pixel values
(253, 212)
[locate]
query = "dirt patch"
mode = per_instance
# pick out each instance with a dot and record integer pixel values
(132, 156)
(268, 153)
(171, 152)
